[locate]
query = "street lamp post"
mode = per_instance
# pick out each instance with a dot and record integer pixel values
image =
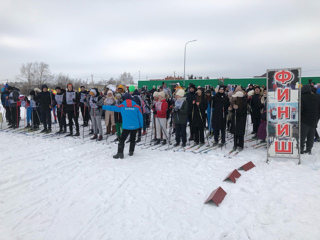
(184, 69)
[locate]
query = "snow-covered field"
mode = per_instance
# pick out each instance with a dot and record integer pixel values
(73, 189)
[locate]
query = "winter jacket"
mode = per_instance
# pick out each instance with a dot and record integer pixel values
(71, 100)
(44, 99)
(13, 98)
(255, 103)
(239, 118)
(199, 119)
(180, 111)
(161, 107)
(191, 96)
(309, 107)
(95, 104)
(220, 104)
(4, 101)
(131, 114)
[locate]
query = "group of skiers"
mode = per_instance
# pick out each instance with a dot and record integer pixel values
(129, 112)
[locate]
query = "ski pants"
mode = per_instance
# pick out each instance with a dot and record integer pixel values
(35, 117)
(199, 133)
(15, 116)
(307, 132)
(256, 122)
(61, 119)
(73, 115)
(123, 138)
(223, 135)
(161, 126)
(29, 111)
(181, 133)
(119, 128)
(85, 113)
(96, 124)
(46, 118)
(8, 114)
(108, 115)
(238, 141)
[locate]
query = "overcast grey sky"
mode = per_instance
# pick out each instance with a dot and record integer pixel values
(235, 38)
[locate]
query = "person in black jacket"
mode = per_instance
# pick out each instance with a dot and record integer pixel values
(44, 98)
(309, 118)
(255, 103)
(191, 97)
(239, 117)
(71, 100)
(84, 109)
(13, 99)
(220, 104)
(198, 120)
(314, 91)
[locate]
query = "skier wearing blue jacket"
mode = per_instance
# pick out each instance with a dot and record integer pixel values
(132, 120)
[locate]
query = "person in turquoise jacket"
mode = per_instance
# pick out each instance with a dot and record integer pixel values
(132, 120)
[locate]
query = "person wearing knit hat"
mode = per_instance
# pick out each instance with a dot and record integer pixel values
(71, 100)
(44, 98)
(198, 117)
(109, 115)
(85, 113)
(57, 102)
(160, 112)
(180, 115)
(239, 118)
(94, 102)
(132, 88)
(255, 104)
(132, 120)
(191, 99)
(220, 105)
(209, 111)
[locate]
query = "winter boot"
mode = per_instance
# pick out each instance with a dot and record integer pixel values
(48, 131)
(130, 153)
(176, 144)
(44, 130)
(157, 142)
(64, 130)
(100, 138)
(94, 137)
(120, 151)
(164, 142)
(215, 144)
(91, 131)
(138, 140)
(70, 134)
(77, 134)
(183, 145)
(28, 126)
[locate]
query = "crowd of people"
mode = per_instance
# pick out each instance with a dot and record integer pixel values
(129, 111)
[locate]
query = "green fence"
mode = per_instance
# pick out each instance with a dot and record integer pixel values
(215, 82)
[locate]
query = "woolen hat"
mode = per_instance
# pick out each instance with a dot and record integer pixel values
(180, 93)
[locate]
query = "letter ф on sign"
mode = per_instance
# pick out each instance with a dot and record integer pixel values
(217, 196)
(283, 76)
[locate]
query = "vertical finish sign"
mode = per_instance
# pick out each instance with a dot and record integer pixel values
(283, 112)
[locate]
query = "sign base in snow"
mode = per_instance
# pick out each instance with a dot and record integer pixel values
(217, 196)
(247, 166)
(233, 175)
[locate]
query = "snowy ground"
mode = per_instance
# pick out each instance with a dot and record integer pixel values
(74, 189)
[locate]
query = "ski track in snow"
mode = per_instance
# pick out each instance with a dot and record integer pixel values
(74, 189)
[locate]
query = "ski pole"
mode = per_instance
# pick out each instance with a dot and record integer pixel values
(152, 125)
(170, 130)
(205, 132)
